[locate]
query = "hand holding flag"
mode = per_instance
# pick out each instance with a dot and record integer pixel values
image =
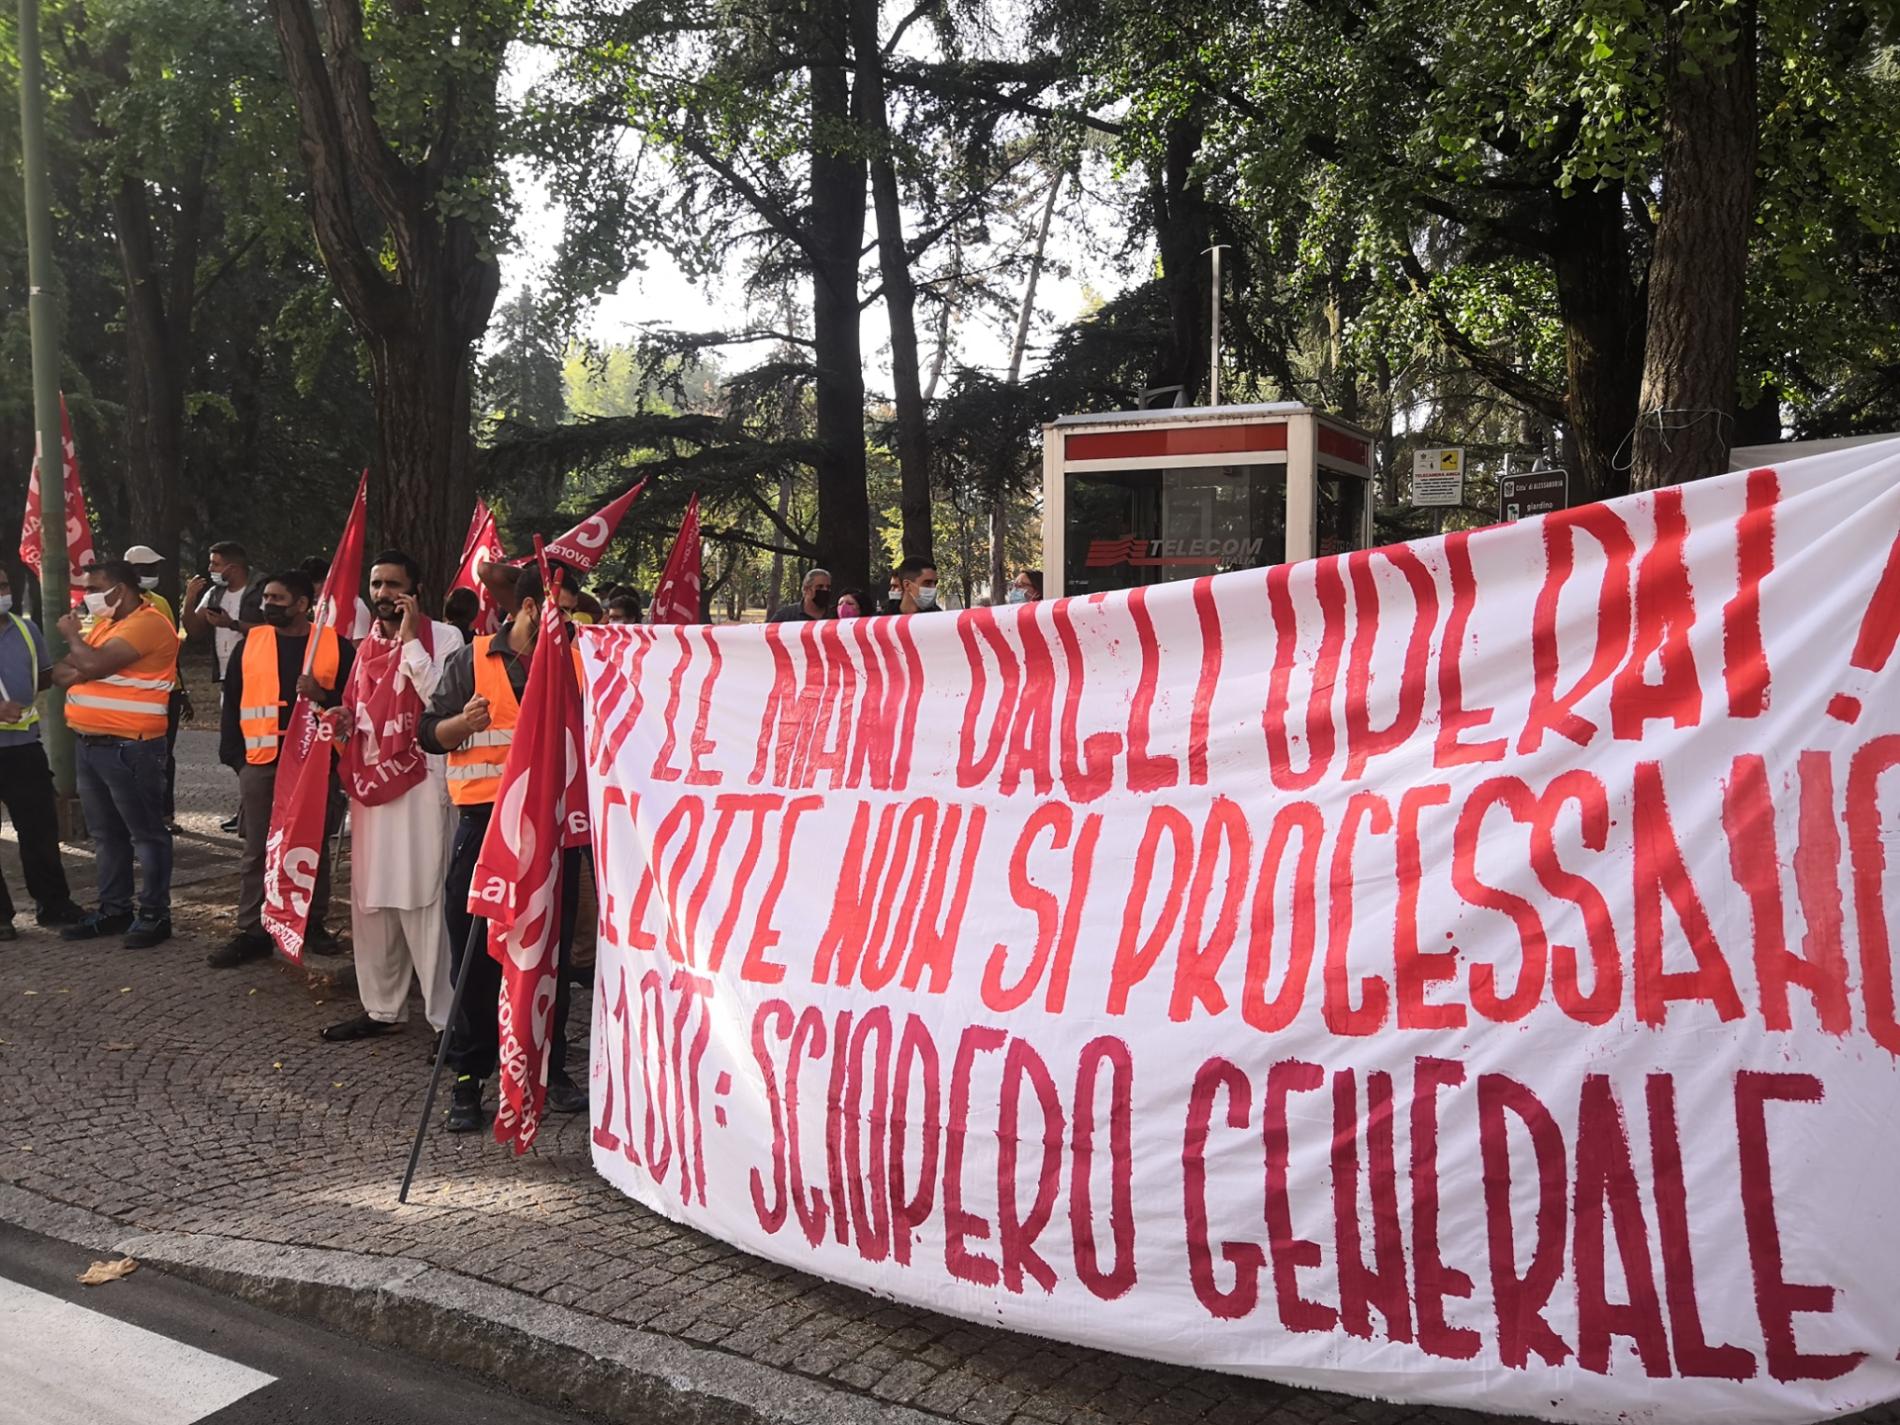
(294, 847)
(540, 810)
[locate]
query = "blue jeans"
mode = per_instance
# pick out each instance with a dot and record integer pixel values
(122, 787)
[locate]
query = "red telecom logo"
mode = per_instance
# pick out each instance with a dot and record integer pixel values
(1160, 553)
(1105, 553)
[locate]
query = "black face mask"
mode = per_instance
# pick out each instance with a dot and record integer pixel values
(276, 615)
(821, 597)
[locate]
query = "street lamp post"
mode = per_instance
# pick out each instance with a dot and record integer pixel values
(55, 591)
(1213, 358)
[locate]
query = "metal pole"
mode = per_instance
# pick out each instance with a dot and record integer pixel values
(1213, 367)
(55, 583)
(477, 945)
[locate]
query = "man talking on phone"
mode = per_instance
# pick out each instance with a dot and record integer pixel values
(401, 819)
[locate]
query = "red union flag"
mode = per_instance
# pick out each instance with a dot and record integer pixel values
(294, 847)
(581, 547)
(78, 527)
(482, 547)
(676, 599)
(483, 516)
(540, 809)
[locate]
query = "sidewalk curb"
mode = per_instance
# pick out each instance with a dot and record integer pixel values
(550, 1353)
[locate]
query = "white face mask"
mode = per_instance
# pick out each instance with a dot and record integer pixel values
(1019, 596)
(926, 596)
(99, 604)
(6, 603)
(218, 578)
(148, 582)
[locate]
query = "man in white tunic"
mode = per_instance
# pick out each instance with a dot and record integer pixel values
(401, 819)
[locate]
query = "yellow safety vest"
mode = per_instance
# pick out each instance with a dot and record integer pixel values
(33, 669)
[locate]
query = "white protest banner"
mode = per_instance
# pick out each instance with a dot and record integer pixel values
(1461, 972)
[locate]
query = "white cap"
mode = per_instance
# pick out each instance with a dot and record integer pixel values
(143, 554)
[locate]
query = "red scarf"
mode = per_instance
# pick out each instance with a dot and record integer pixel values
(383, 759)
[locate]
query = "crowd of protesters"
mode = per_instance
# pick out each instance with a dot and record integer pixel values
(424, 711)
(913, 590)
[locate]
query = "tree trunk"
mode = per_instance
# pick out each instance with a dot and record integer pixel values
(966, 558)
(421, 320)
(154, 439)
(999, 545)
(1699, 273)
(1342, 375)
(946, 318)
(836, 234)
(900, 291)
(159, 298)
(1601, 308)
(1183, 222)
(999, 495)
(774, 596)
(422, 457)
(1385, 436)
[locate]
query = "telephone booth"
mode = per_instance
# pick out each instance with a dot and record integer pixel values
(1140, 497)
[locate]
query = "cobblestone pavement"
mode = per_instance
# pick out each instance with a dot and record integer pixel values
(152, 1090)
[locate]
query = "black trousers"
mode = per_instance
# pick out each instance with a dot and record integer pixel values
(475, 1033)
(26, 788)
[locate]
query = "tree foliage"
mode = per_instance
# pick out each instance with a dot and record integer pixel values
(1624, 235)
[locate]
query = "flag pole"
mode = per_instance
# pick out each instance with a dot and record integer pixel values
(470, 950)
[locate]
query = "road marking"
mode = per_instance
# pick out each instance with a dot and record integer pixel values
(63, 1364)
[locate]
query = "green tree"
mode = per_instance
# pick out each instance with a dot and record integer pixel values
(747, 156)
(178, 109)
(525, 378)
(1468, 139)
(401, 133)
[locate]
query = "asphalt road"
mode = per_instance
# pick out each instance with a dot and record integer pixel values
(154, 1350)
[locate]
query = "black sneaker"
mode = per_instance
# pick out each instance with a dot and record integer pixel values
(465, 1106)
(361, 1027)
(229, 825)
(67, 913)
(237, 950)
(7, 932)
(97, 926)
(565, 1096)
(145, 933)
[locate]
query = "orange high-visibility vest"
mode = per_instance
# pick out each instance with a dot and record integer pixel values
(474, 768)
(260, 695)
(132, 702)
